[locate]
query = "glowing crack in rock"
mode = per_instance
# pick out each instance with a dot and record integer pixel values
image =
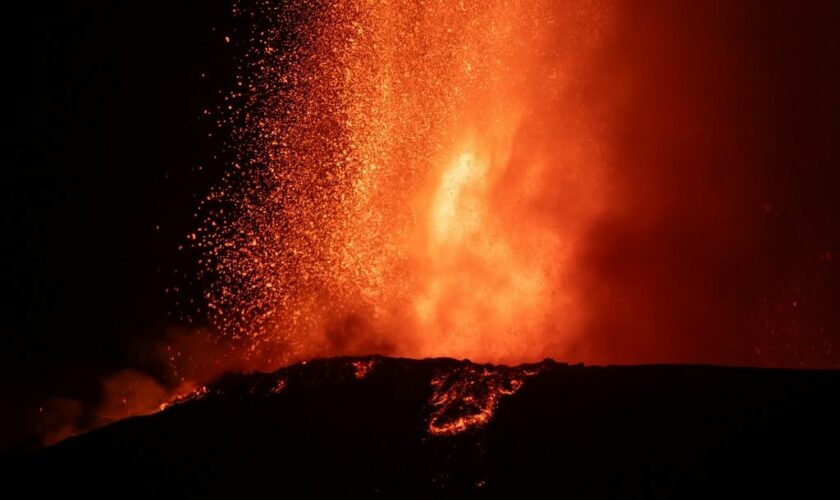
(362, 368)
(465, 398)
(195, 394)
(280, 386)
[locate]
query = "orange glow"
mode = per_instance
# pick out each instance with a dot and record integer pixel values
(362, 368)
(414, 181)
(466, 398)
(498, 180)
(183, 398)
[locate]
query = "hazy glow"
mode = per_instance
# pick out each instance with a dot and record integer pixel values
(402, 161)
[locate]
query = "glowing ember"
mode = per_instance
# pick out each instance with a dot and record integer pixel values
(280, 386)
(400, 169)
(183, 398)
(466, 397)
(362, 368)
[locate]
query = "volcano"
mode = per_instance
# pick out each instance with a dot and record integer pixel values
(379, 426)
(219, 211)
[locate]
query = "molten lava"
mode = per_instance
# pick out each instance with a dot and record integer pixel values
(413, 180)
(466, 397)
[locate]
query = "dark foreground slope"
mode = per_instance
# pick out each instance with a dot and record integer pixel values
(399, 427)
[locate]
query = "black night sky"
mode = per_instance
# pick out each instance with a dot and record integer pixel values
(106, 153)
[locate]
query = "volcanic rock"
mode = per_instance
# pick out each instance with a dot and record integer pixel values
(376, 426)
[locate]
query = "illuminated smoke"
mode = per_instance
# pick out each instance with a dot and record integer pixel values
(413, 179)
(510, 180)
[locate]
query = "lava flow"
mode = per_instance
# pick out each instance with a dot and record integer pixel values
(465, 398)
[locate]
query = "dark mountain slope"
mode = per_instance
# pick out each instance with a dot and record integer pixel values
(440, 427)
